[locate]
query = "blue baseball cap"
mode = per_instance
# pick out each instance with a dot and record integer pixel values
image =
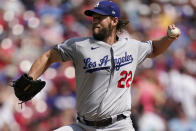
(105, 8)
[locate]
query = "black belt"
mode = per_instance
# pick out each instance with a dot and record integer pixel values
(101, 123)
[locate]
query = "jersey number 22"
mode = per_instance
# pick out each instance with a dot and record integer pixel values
(125, 80)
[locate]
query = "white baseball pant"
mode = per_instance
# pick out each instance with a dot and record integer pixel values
(122, 125)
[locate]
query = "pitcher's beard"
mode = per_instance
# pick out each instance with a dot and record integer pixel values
(103, 33)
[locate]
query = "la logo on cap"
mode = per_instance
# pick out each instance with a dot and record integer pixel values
(97, 5)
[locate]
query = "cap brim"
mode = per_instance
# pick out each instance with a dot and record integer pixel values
(91, 12)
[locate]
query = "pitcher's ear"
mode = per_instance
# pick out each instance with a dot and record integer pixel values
(115, 21)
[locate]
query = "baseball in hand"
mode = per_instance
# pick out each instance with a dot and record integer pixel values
(173, 31)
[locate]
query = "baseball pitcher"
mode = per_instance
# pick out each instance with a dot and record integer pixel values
(104, 64)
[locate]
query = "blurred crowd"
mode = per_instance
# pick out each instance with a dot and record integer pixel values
(164, 89)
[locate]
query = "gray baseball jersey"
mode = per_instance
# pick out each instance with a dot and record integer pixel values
(103, 73)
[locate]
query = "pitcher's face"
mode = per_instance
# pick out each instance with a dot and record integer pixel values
(102, 26)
